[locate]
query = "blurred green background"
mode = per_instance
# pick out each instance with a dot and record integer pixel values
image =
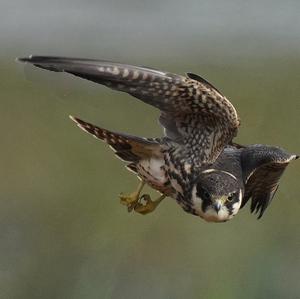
(63, 233)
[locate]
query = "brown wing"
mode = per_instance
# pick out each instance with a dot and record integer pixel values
(196, 116)
(262, 168)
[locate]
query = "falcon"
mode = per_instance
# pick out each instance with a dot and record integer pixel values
(196, 162)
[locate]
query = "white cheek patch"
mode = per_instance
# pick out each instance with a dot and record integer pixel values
(197, 202)
(236, 206)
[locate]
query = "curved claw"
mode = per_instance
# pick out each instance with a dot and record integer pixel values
(132, 199)
(141, 204)
(148, 206)
(129, 200)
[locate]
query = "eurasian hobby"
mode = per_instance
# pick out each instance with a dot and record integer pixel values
(196, 163)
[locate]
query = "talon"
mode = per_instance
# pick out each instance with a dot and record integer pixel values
(149, 205)
(132, 199)
(141, 204)
(128, 199)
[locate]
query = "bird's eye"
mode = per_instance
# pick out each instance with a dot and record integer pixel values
(230, 197)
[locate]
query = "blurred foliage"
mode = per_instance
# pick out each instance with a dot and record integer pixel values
(63, 232)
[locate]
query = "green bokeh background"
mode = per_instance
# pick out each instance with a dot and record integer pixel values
(63, 233)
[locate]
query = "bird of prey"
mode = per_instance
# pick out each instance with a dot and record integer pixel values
(195, 162)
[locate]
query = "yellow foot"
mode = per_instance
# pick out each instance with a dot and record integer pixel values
(132, 199)
(145, 205)
(129, 200)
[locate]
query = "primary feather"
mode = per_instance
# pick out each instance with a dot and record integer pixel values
(192, 110)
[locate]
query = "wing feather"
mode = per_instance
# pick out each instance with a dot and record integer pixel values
(196, 116)
(263, 167)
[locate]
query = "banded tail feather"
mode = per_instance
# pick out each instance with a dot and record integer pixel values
(128, 148)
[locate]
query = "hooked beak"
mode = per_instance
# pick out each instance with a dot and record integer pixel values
(217, 206)
(218, 203)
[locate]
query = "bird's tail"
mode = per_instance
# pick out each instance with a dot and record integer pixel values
(128, 148)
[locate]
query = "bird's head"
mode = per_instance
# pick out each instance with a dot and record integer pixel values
(217, 195)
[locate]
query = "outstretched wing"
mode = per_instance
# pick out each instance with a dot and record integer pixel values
(196, 116)
(262, 168)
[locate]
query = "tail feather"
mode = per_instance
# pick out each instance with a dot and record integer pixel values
(128, 148)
